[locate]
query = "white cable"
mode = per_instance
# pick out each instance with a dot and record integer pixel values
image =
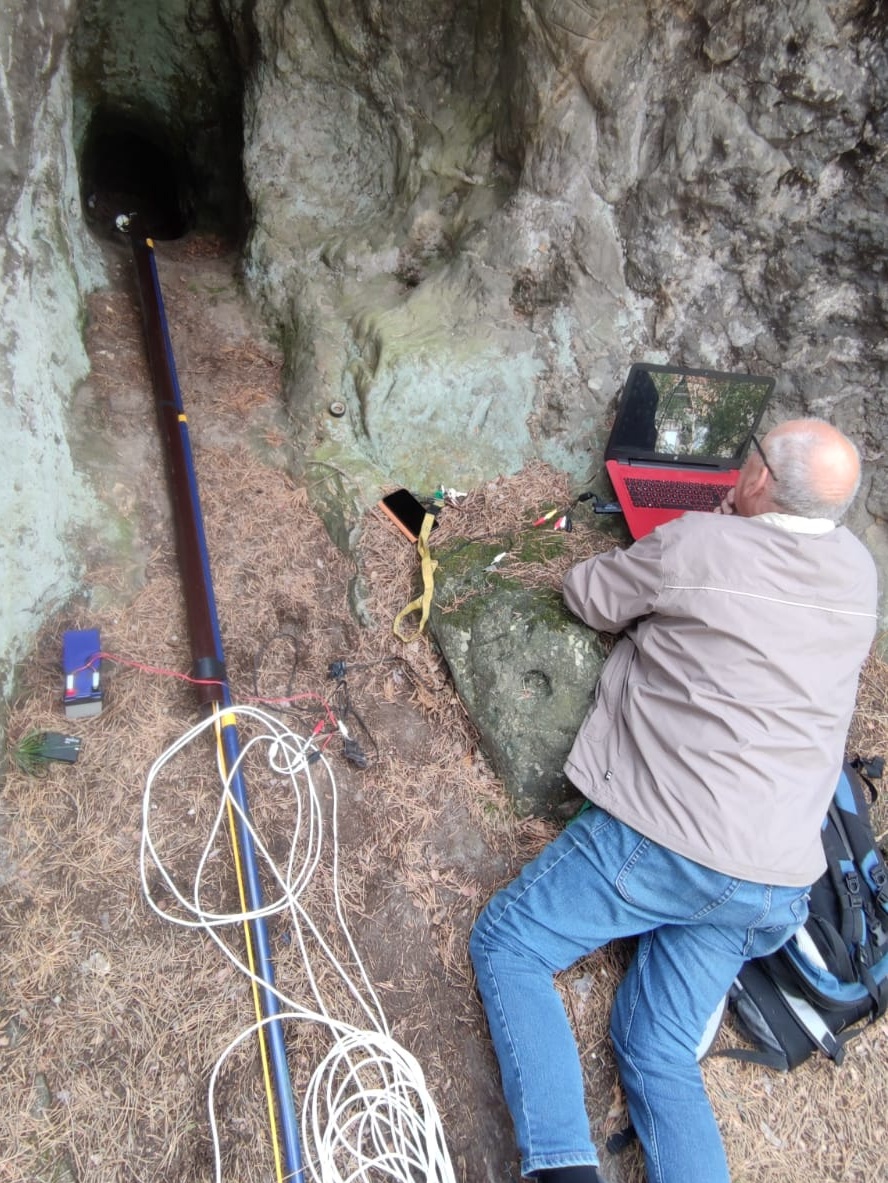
(367, 1114)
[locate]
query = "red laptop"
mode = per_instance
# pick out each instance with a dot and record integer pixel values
(679, 439)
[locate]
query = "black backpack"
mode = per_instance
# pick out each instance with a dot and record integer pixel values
(831, 978)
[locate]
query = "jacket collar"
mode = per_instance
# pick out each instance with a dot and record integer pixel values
(795, 524)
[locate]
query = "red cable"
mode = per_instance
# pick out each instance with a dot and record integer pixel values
(154, 669)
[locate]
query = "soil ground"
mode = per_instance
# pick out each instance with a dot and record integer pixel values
(111, 1018)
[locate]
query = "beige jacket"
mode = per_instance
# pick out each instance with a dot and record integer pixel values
(720, 719)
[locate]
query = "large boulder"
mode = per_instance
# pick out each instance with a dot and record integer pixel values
(524, 667)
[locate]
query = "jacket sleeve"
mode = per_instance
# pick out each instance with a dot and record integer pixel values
(611, 590)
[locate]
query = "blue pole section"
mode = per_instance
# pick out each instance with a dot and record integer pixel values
(209, 664)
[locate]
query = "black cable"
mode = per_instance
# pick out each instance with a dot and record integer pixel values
(257, 663)
(341, 697)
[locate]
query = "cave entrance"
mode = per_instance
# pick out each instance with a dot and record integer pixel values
(132, 167)
(158, 89)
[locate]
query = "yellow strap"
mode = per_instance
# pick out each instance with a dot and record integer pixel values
(422, 603)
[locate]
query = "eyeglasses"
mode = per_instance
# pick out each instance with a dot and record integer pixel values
(761, 451)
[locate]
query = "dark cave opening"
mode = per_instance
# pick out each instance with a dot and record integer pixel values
(174, 182)
(158, 116)
(131, 167)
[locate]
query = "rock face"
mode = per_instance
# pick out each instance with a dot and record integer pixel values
(466, 220)
(523, 199)
(45, 268)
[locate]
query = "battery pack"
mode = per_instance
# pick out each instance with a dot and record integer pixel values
(56, 746)
(80, 663)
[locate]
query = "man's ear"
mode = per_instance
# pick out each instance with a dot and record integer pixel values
(758, 481)
(755, 491)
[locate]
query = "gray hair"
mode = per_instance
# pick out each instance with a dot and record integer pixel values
(795, 490)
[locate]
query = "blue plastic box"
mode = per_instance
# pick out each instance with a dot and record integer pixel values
(83, 683)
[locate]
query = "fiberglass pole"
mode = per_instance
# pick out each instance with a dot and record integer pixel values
(208, 661)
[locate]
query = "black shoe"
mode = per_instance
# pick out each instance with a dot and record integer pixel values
(582, 1174)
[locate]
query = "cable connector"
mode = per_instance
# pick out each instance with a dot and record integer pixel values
(354, 753)
(351, 749)
(336, 669)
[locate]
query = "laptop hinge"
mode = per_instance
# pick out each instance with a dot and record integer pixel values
(678, 464)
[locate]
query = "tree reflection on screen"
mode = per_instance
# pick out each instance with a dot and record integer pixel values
(700, 415)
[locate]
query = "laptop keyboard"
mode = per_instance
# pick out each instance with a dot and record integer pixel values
(647, 494)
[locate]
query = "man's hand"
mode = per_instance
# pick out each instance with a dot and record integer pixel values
(727, 503)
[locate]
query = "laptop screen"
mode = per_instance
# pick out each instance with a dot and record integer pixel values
(705, 417)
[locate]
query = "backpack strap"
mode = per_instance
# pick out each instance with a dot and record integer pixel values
(828, 943)
(864, 894)
(844, 876)
(786, 1028)
(854, 810)
(814, 1026)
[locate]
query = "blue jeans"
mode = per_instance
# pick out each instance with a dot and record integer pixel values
(599, 880)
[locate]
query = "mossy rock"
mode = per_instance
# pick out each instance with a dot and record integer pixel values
(524, 667)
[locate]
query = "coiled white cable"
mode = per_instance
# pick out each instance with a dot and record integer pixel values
(367, 1113)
